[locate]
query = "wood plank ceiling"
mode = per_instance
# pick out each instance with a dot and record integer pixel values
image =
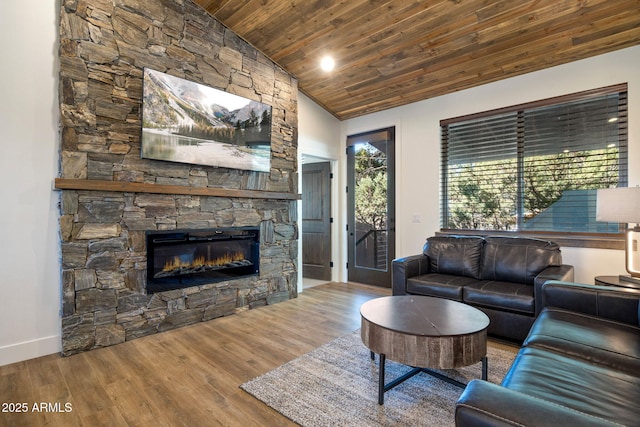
(394, 52)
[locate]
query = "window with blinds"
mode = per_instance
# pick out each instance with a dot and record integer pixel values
(535, 167)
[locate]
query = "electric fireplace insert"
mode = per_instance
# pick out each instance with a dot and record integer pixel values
(183, 258)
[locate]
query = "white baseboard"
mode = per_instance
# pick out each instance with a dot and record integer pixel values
(30, 349)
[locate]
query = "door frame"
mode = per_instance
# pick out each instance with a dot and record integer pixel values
(321, 226)
(336, 235)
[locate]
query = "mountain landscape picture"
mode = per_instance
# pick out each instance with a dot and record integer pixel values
(186, 122)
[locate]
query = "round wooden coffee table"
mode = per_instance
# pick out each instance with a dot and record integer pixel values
(423, 332)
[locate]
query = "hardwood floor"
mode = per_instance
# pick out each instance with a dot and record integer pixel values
(184, 377)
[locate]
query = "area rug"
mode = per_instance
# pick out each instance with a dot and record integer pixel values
(336, 385)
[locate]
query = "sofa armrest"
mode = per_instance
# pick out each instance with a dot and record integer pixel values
(611, 302)
(485, 404)
(404, 268)
(563, 273)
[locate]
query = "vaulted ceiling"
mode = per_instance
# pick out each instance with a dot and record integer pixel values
(394, 52)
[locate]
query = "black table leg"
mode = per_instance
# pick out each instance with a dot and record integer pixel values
(383, 360)
(485, 368)
(382, 387)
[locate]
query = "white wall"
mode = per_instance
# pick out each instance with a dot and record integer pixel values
(418, 143)
(29, 260)
(318, 131)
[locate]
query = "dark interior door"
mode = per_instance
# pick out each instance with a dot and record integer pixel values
(316, 221)
(371, 199)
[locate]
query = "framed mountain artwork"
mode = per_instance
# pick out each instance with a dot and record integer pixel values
(186, 122)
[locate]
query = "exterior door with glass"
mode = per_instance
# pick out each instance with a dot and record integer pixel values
(371, 201)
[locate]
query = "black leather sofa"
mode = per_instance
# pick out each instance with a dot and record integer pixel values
(579, 365)
(501, 276)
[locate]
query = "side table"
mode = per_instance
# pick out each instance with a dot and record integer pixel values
(615, 281)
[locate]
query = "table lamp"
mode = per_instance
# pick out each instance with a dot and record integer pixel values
(622, 205)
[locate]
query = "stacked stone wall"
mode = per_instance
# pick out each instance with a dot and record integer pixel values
(104, 47)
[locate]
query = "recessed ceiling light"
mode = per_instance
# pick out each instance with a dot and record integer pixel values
(327, 63)
(613, 119)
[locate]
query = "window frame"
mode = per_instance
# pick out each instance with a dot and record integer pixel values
(568, 239)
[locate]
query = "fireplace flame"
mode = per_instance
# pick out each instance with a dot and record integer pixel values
(201, 262)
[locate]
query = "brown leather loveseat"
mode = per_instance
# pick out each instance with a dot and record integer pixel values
(501, 276)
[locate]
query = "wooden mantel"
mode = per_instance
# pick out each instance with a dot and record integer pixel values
(140, 187)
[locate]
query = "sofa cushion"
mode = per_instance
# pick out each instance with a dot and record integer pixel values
(439, 285)
(500, 295)
(589, 388)
(456, 255)
(517, 259)
(591, 338)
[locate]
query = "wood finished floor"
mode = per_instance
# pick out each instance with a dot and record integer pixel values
(185, 377)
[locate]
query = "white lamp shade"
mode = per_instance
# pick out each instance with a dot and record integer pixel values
(620, 204)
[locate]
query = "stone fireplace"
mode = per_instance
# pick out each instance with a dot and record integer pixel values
(112, 201)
